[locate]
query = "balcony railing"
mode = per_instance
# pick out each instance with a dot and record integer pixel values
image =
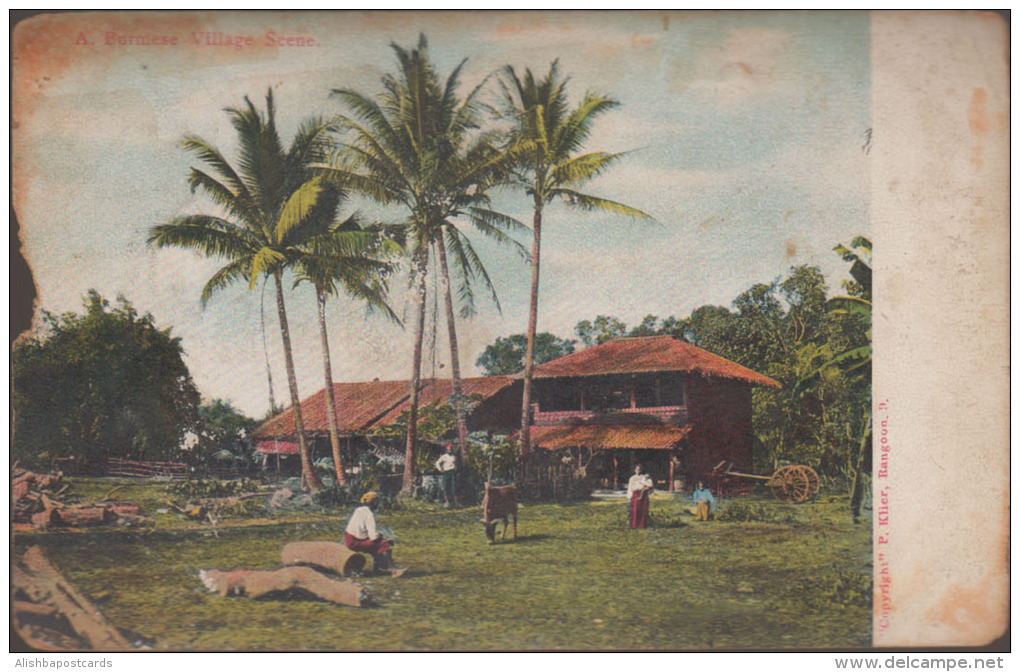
(664, 413)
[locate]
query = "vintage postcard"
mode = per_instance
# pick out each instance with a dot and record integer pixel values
(510, 331)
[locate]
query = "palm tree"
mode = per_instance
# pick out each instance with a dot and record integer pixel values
(415, 145)
(546, 138)
(271, 203)
(350, 257)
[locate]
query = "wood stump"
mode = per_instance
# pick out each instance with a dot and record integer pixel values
(257, 583)
(328, 555)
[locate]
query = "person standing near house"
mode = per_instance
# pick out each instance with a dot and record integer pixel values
(363, 536)
(446, 465)
(704, 502)
(639, 487)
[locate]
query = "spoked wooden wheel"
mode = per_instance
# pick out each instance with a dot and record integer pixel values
(794, 484)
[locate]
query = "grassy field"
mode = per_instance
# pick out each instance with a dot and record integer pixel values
(576, 578)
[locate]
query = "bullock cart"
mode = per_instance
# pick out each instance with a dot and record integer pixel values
(791, 484)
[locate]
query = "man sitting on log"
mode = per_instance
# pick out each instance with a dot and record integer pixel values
(363, 536)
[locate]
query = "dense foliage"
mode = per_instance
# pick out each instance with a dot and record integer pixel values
(505, 356)
(791, 331)
(104, 383)
(223, 432)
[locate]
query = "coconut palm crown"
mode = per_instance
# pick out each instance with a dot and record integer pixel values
(419, 145)
(270, 204)
(545, 142)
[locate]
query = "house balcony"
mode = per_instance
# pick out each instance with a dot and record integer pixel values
(667, 414)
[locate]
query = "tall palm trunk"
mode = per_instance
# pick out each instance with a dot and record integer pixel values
(410, 455)
(529, 352)
(308, 478)
(458, 397)
(334, 432)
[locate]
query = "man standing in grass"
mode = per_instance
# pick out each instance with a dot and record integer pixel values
(638, 488)
(447, 467)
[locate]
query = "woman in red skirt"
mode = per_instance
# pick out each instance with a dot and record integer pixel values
(638, 488)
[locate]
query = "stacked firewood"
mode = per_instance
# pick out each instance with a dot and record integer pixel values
(36, 502)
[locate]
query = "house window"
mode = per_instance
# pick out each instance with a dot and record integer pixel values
(646, 392)
(554, 395)
(662, 390)
(608, 394)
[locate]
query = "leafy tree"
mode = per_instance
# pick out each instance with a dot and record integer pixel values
(648, 327)
(603, 328)
(546, 139)
(415, 146)
(272, 204)
(505, 356)
(105, 383)
(221, 427)
(853, 362)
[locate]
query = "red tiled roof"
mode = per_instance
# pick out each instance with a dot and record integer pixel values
(274, 447)
(438, 390)
(647, 355)
(362, 406)
(358, 405)
(637, 436)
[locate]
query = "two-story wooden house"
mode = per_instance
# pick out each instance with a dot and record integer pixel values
(675, 408)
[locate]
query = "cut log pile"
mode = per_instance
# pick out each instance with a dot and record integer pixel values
(36, 504)
(305, 561)
(50, 614)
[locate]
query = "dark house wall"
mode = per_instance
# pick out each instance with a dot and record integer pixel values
(719, 411)
(500, 413)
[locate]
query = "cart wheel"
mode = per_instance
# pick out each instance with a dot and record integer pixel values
(794, 484)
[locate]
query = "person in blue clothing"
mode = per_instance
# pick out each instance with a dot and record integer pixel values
(704, 502)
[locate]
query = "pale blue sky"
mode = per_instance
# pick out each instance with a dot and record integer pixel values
(746, 128)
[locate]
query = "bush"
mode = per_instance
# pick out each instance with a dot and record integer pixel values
(749, 511)
(211, 488)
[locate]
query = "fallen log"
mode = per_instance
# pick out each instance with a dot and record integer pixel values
(45, 519)
(329, 555)
(124, 508)
(42, 584)
(257, 583)
(86, 515)
(21, 607)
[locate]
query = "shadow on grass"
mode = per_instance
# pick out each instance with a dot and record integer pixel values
(523, 539)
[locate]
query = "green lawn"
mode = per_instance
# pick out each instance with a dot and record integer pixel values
(576, 578)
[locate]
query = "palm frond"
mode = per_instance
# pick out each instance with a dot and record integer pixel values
(492, 225)
(570, 136)
(469, 266)
(212, 236)
(266, 260)
(238, 205)
(580, 169)
(214, 159)
(300, 204)
(261, 155)
(849, 305)
(226, 276)
(594, 203)
(312, 142)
